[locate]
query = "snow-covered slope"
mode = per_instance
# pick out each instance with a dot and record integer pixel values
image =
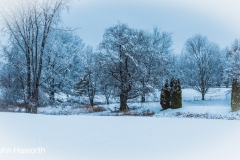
(125, 138)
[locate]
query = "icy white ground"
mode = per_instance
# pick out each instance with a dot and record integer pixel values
(200, 130)
(121, 138)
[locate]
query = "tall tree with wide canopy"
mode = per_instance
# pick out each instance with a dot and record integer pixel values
(118, 48)
(202, 63)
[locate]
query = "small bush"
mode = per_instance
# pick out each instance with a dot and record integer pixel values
(91, 109)
(146, 113)
(98, 109)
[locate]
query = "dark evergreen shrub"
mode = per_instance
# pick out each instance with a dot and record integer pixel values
(176, 94)
(165, 96)
(172, 92)
(171, 98)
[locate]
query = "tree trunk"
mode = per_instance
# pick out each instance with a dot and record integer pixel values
(143, 87)
(203, 98)
(33, 105)
(52, 91)
(107, 99)
(28, 78)
(143, 99)
(123, 102)
(52, 97)
(91, 101)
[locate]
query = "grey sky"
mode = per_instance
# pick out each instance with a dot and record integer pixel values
(216, 19)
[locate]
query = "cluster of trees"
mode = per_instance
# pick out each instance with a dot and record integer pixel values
(42, 59)
(171, 97)
(130, 63)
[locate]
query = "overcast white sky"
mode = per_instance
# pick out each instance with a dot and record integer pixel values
(217, 19)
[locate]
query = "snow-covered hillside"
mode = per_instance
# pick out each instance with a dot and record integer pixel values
(125, 138)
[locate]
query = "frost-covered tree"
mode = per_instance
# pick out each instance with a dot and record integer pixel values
(233, 61)
(28, 26)
(155, 50)
(89, 81)
(118, 48)
(145, 60)
(135, 59)
(106, 85)
(202, 63)
(12, 85)
(63, 46)
(226, 75)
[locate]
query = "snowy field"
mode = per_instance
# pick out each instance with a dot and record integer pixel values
(200, 130)
(121, 138)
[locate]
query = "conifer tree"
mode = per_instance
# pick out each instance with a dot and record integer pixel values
(235, 97)
(172, 90)
(175, 94)
(165, 96)
(178, 94)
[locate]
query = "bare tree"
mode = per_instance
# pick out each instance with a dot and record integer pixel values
(202, 63)
(63, 46)
(135, 60)
(153, 60)
(233, 60)
(106, 82)
(28, 26)
(88, 80)
(119, 51)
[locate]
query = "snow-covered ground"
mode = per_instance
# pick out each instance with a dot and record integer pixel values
(122, 138)
(216, 106)
(72, 132)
